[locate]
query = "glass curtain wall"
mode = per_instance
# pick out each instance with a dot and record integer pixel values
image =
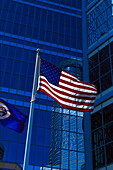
(100, 54)
(55, 27)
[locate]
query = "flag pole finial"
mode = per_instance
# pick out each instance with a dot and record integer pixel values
(38, 50)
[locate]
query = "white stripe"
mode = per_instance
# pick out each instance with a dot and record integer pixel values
(76, 82)
(63, 72)
(65, 96)
(66, 103)
(77, 88)
(67, 91)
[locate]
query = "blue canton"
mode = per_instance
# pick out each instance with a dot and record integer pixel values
(51, 72)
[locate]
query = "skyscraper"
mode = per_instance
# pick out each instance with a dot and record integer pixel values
(56, 28)
(99, 21)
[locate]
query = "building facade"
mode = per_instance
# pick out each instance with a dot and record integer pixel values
(56, 28)
(99, 17)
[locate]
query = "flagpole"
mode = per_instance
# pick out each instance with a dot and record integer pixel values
(30, 122)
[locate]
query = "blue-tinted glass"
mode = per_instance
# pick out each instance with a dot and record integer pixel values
(64, 159)
(32, 154)
(41, 118)
(73, 158)
(4, 50)
(73, 141)
(65, 122)
(40, 136)
(25, 9)
(46, 156)
(20, 153)
(6, 79)
(48, 119)
(33, 139)
(79, 124)
(29, 83)
(80, 142)
(65, 137)
(12, 152)
(13, 6)
(6, 145)
(80, 160)
(39, 155)
(29, 25)
(47, 137)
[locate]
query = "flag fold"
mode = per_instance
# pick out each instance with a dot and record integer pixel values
(66, 89)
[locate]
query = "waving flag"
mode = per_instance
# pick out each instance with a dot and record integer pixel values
(66, 89)
(11, 117)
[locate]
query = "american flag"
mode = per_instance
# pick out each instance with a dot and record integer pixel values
(66, 89)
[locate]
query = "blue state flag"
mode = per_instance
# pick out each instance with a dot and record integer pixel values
(11, 117)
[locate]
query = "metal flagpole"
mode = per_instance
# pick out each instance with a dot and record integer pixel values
(30, 122)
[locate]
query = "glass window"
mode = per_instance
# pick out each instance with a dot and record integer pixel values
(22, 31)
(106, 81)
(94, 74)
(108, 113)
(24, 68)
(32, 10)
(112, 61)
(73, 141)
(2, 63)
(13, 6)
(108, 132)
(80, 160)
(22, 83)
(39, 155)
(24, 19)
(16, 67)
(96, 120)
(65, 122)
(46, 156)
(28, 83)
(12, 152)
(73, 123)
(73, 160)
(9, 26)
(98, 158)
(25, 9)
(4, 50)
(80, 142)
(109, 153)
(79, 124)
(104, 53)
(105, 67)
(97, 138)
(93, 61)
(4, 14)
(33, 139)
(20, 153)
(111, 48)
(64, 163)
(47, 137)
(6, 4)
(40, 136)
(6, 79)
(48, 119)
(65, 140)
(41, 118)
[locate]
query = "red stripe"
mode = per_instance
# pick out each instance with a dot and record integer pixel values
(74, 91)
(68, 77)
(75, 85)
(89, 84)
(68, 107)
(66, 100)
